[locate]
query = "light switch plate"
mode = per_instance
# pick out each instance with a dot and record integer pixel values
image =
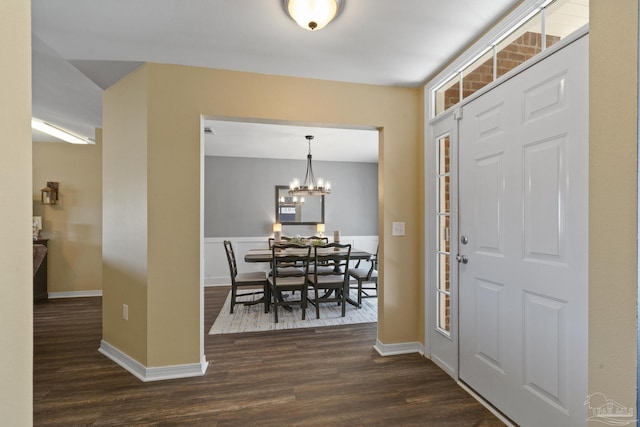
(397, 228)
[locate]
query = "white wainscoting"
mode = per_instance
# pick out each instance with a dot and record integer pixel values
(216, 267)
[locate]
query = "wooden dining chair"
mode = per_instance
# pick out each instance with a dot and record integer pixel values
(330, 284)
(246, 280)
(281, 280)
(292, 270)
(318, 241)
(366, 279)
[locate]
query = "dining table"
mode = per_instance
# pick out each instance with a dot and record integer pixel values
(265, 255)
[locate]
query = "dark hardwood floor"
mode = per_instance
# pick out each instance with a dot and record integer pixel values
(307, 377)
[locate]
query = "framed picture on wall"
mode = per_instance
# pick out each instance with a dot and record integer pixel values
(37, 223)
(36, 227)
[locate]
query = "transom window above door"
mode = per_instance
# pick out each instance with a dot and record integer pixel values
(548, 23)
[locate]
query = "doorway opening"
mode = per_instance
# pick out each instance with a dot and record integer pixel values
(243, 160)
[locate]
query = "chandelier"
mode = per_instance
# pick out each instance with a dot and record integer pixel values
(309, 187)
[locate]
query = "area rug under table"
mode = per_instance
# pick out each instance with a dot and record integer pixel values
(252, 318)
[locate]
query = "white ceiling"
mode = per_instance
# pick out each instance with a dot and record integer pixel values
(286, 141)
(81, 47)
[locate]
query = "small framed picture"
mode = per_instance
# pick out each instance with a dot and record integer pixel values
(36, 224)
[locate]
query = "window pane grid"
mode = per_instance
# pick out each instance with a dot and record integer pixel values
(477, 75)
(443, 161)
(520, 46)
(563, 18)
(443, 233)
(443, 209)
(443, 193)
(447, 95)
(444, 282)
(444, 313)
(546, 27)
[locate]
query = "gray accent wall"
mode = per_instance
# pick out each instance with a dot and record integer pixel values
(239, 196)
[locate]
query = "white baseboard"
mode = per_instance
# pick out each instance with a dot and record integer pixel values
(221, 283)
(217, 281)
(146, 374)
(486, 404)
(400, 348)
(444, 366)
(74, 294)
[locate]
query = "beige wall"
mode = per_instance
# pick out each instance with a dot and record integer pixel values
(125, 212)
(613, 199)
(74, 225)
(176, 97)
(16, 253)
(613, 195)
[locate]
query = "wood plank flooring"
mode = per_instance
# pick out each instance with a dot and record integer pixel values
(305, 377)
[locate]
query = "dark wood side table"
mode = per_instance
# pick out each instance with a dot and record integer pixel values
(40, 278)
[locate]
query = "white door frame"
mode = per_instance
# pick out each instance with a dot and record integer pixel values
(442, 348)
(429, 184)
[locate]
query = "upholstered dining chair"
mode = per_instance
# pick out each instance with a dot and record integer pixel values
(333, 281)
(366, 278)
(281, 280)
(256, 279)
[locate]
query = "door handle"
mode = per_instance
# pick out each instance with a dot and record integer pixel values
(462, 258)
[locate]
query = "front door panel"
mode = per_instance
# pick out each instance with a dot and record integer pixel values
(523, 204)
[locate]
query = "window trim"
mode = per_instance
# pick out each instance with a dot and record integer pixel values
(520, 16)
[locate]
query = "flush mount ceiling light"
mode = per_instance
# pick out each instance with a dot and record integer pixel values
(313, 15)
(57, 132)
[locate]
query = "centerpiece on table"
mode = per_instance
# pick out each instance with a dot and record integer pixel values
(306, 242)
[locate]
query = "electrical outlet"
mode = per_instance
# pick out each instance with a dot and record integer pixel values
(125, 311)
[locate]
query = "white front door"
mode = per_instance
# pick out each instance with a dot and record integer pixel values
(523, 210)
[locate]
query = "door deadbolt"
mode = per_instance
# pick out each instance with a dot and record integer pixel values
(464, 239)
(462, 259)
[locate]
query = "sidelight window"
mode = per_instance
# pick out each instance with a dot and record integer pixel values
(443, 263)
